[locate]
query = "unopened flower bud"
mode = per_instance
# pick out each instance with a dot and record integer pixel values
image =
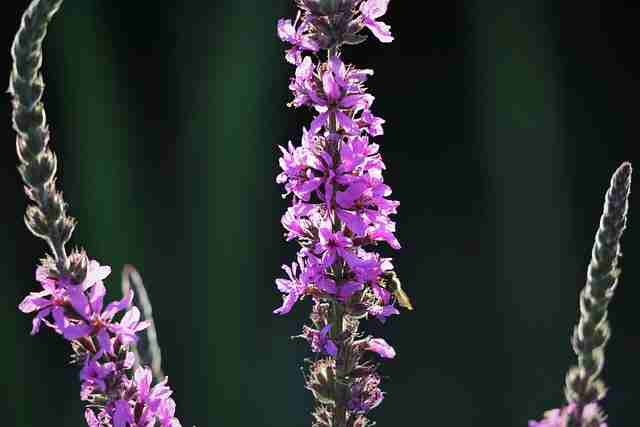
(321, 380)
(323, 417)
(78, 262)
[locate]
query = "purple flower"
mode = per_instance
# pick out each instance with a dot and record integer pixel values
(365, 394)
(320, 341)
(97, 322)
(382, 312)
(93, 376)
(54, 298)
(90, 417)
(302, 84)
(372, 10)
(122, 414)
(293, 288)
(331, 245)
(340, 96)
(151, 397)
(300, 42)
(371, 124)
(297, 166)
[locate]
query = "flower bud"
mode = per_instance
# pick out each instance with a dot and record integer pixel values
(323, 417)
(321, 380)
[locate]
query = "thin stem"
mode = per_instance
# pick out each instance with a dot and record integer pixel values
(130, 275)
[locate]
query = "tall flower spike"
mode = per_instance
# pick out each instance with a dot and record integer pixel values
(71, 298)
(584, 388)
(340, 208)
(583, 385)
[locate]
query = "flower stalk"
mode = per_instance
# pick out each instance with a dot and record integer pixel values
(583, 383)
(339, 208)
(584, 388)
(71, 298)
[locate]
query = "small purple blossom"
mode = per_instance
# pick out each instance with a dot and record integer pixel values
(320, 341)
(288, 32)
(293, 288)
(365, 394)
(372, 10)
(93, 376)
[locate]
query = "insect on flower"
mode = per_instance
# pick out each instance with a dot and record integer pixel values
(390, 281)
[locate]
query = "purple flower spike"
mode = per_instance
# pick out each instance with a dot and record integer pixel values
(339, 209)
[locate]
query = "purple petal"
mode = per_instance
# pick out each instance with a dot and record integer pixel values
(131, 318)
(379, 29)
(73, 332)
(348, 289)
(374, 8)
(330, 348)
(286, 32)
(34, 301)
(79, 301)
(97, 296)
(380, 346)
(123, 414)
(142, 377)
(91, 419)
(117, 306)
(105, 340)
(318, 122)
(95, 274)
(35, 324)
(347, 123)
(330, 87)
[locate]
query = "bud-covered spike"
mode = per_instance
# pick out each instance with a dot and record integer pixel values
(38, 164)
(583, 385)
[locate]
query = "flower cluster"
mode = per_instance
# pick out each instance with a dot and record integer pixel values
(75, 310)
(339, 208)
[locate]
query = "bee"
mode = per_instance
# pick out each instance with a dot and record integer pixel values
(390, 281)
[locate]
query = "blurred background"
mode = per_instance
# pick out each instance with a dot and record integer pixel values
(505, 121)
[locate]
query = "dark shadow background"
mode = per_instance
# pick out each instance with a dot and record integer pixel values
(505, 121)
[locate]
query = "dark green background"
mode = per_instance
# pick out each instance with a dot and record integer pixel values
(504, 123)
